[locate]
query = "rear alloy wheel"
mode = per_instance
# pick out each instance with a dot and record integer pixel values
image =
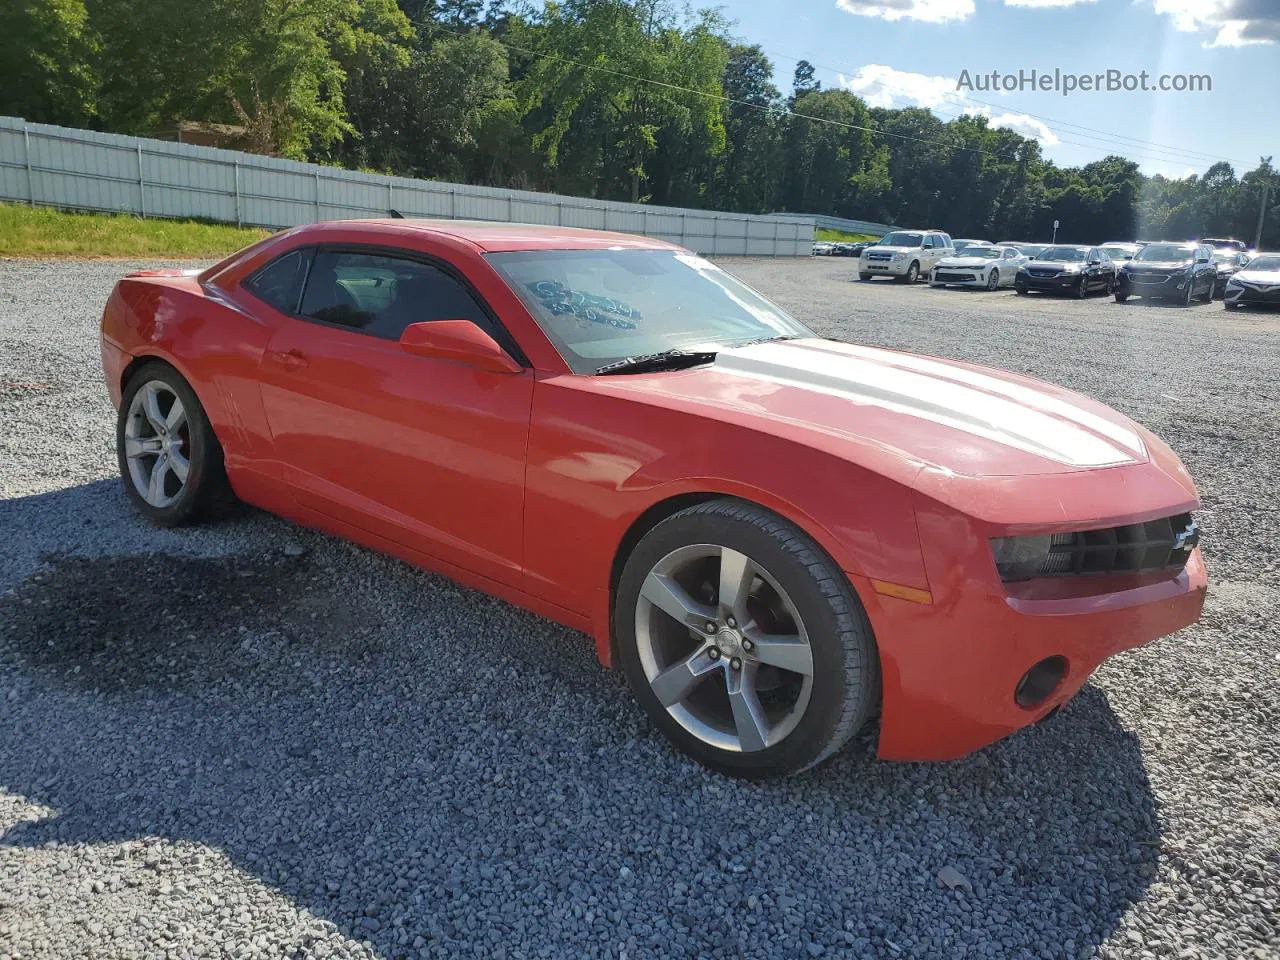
(743, 642)
(1190, 294)
(170, 460)
(1083, 290)
(993, 281)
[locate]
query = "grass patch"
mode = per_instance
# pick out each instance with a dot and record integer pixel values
(840, 236)
(44, 233)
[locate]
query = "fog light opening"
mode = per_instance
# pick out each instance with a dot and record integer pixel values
(1039, 682)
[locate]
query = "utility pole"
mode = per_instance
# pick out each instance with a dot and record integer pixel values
(1262, 210)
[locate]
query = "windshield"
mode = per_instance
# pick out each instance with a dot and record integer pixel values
(982, 253)
(1166, 251)
(1117, 253)
(1264, 263)
(902, 240)
(1031, 249)
(1069, 254)
(1226, 256)
(601, 306)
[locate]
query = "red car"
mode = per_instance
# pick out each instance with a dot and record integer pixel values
(775, 535)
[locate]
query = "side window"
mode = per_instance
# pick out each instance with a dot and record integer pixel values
(928, 243)
(381, 295)
(279, 283)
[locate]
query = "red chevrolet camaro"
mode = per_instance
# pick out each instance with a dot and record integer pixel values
(774, 534)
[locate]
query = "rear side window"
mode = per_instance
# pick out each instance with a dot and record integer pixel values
(381, 295)
(279, 283)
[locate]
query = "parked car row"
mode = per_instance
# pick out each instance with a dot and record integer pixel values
(1181, 272)
(825, 248)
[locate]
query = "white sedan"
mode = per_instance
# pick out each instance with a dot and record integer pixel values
(987, 267)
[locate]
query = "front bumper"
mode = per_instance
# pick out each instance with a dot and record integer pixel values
(1268, 296)
(950, 668)
(958, 277)
(1173, 285)
(1056, 284)
(885, 268)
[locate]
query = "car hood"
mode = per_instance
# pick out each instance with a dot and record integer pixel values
(1258, 276)
(976, 263)
(900, 413)
(881, 249)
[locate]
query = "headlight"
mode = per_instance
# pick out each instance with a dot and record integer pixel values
(1020, 558)
(898, 256)
(1233, 282)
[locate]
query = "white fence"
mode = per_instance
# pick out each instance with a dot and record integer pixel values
(83, 170)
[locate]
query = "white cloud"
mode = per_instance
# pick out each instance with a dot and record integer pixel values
(930, 11)
(1045, 3)
(1168, 172)
(882, 86)
(1237, 23)
(1021, 123)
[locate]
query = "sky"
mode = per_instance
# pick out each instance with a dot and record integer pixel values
(914, 53)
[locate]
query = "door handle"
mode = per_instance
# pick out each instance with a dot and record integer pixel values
(290, 358)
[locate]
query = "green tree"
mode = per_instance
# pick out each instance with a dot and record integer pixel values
(595, 58)
(46, 61)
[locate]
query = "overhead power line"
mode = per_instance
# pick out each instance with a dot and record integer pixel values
(873, 130)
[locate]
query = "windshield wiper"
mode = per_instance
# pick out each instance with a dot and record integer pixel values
(667, 360)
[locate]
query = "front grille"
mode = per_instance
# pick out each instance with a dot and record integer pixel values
(1150, 277)
(879, 256)
(1044, 273)
(944, 277)
(1156, 545)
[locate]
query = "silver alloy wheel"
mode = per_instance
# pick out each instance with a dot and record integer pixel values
(724, 648)
(157, 443)
(993, 280)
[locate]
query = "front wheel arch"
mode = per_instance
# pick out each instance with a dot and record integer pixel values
(660, 510)
(738, 509)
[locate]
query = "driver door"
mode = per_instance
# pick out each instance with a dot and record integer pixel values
(424, 452)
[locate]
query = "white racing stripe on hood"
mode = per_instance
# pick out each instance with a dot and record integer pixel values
(980, 404)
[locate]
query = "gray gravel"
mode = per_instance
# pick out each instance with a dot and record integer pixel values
(249, 740)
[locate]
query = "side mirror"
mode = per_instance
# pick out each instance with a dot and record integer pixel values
(458, 340)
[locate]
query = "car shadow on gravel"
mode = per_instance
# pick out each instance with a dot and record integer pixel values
(437, 773)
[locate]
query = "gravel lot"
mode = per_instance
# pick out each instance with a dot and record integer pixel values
(214, 746)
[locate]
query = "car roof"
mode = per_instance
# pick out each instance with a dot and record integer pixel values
(495, 237)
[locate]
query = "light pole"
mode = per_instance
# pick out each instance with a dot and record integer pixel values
(1055, 231)
(1262, 210)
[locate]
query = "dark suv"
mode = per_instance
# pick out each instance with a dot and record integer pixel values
(1169, 271)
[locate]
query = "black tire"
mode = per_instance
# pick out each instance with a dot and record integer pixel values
(913, 273)
(1189, 295)
(1121, 297)
(1227, 304)
(1084, 289)
(993, 281)
(846, 667)
(206, 484)
(1020, 291)
(864, 276)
